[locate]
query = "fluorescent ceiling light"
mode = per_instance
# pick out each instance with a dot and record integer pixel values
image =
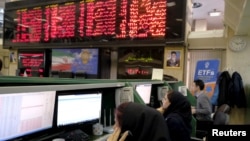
(1, 10)
(170, 4)
(214, 13)
(179, 20)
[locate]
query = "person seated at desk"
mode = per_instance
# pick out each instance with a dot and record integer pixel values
(176, 110)
(203, 109)
(138, 122)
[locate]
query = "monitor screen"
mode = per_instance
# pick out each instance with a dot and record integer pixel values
(76, 60)
(138, 63)
(31, 63)
(25, 113)
(144, 90)
(74, 109)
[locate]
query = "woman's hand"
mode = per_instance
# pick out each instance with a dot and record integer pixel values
(116, 134)
(161, 110)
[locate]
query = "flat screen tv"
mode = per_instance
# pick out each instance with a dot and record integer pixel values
(31, 63)
(138, 63)
(78, 60)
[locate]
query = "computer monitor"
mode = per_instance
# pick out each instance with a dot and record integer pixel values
(74, 109)
(144, 90)
(25, 113)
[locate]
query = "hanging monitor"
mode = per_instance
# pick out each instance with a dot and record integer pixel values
(76, 61)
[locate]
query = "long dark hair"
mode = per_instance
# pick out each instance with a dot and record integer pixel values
(119, 112)
(142, 122)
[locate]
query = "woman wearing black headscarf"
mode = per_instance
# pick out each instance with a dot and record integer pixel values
(143, 123)
(176, 110)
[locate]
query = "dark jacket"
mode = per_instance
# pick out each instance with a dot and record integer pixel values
(178, 117)
(144, 123)
(224, 81)
(237, 91)
(179, 130)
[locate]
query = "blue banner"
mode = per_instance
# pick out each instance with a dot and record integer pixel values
(207, 70)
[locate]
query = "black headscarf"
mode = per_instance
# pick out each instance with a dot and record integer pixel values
(179, 105)
(144, 123)
(178, 117)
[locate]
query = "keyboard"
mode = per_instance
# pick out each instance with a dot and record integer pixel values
(75, 135)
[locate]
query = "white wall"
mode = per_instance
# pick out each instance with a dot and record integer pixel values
(239, 61)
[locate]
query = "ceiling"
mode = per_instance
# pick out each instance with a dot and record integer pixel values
(235, 14)
(202, 13)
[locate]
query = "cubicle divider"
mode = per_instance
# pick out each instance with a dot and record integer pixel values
(106, 86)
(175, 86)
(109, 105)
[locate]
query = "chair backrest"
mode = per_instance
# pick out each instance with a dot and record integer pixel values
(225, 108)
(221, 116)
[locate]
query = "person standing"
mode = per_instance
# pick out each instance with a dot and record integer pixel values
(203, 109)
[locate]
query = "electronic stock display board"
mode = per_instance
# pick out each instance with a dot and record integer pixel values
(86, 22)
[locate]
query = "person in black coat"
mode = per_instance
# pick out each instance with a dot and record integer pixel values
(176, 110)
(143, 123)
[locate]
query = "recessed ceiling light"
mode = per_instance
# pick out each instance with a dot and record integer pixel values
(1, 10)
(179, 20)
(197, 5)
(170, 4)
(214, 13)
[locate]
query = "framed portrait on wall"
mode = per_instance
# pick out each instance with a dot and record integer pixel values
(173, 58)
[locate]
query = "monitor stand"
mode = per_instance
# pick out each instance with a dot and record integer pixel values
(108, 129)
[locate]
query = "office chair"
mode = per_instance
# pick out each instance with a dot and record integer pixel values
(193, 134)
(225, 108)
(221, 116)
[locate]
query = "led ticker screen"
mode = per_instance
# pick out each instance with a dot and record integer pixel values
(31, 63)
(84, 21)
(33, 60)
(138, 63)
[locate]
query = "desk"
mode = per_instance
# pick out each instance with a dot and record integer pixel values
(100, 138)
